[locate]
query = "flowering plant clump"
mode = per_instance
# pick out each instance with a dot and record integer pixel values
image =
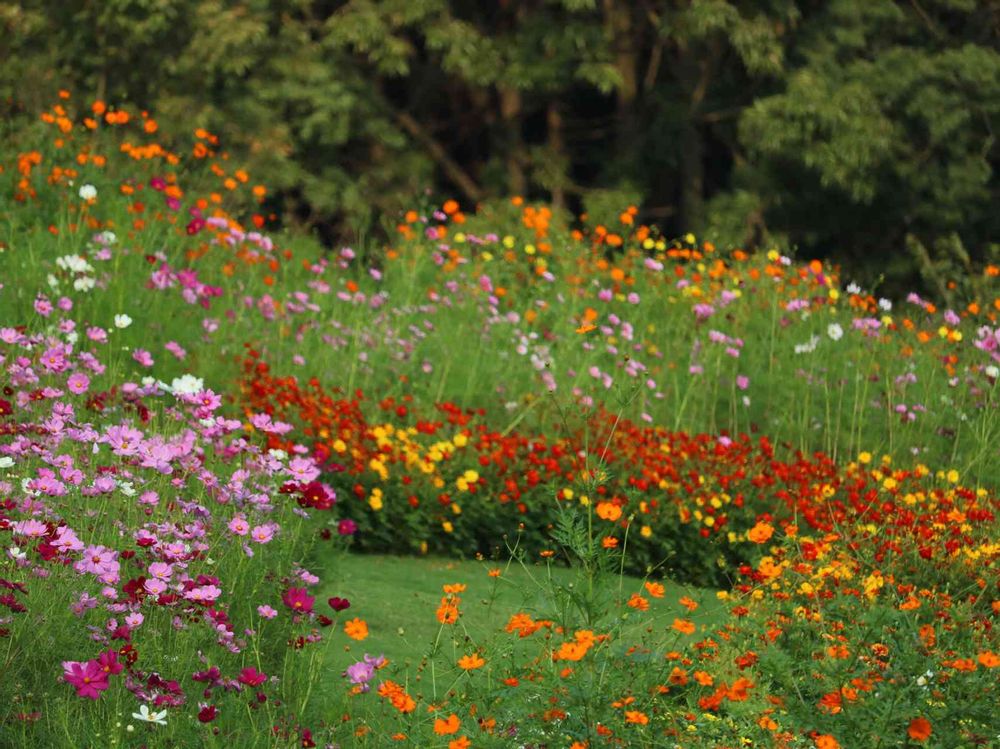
(144, 536)
(198, 410)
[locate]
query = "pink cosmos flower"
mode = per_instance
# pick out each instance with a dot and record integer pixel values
(124, 440)
(78, 383)
(203, 594)
(239, 526)
(88, 678)
(30, 528)
(262, 534)
(303, 469)
(266, 611)
(43, 307)
(176, 349)
(143, 357)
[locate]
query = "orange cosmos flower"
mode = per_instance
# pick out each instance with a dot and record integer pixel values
(636, 717)
(760, 533)
(608, 511)
(447, 612)
(656, 590)
(684, 626)
(471, 662)
(356, 629)
(462, 742)
(447, 726)
(638, 602)
(704, 678)
(988, 659)
(687, 603)
(826, 741)
(454, 588)
(919, 730)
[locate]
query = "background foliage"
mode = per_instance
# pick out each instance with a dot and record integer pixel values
(857, 129)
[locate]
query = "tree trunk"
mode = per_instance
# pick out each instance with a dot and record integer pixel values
(692, 167)
(618, 22)
(554, 123)
(515, 154)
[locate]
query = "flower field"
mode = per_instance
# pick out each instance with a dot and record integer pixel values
(202, 414)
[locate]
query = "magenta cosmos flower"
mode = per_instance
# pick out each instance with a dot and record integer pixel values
(89, 678)
(299, 600)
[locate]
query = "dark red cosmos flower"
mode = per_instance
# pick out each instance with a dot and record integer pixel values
(339, 604)
(208, 713)
(307, 739)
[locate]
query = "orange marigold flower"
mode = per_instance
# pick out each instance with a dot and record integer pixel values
(684, 626)
(637, 717)
(447, 726)
(760, 533)
(919, 729)
(356, 629)
(471, 662)
(656, 590)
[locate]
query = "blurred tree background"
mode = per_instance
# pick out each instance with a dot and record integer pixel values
(863, 130)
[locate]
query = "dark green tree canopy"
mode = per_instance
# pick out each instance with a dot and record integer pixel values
(845, 128)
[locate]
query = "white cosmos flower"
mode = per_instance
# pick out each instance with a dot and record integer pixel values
(159, 718)
(853, 288)
(885, 305)
(187, 385)
(6, 461)
(122, 321)
(991, 371)
(88, 192)
(834, 331)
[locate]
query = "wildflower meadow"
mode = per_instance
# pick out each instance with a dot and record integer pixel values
(677, 494)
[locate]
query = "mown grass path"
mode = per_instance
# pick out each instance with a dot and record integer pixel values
(398, 596)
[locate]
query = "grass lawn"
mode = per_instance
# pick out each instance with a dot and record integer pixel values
(398, 597)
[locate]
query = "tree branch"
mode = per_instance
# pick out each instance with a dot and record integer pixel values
(448, 165)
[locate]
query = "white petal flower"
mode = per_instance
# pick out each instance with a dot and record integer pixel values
(144, 714)
(88, 192)
(122, 321)
(834, 331)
